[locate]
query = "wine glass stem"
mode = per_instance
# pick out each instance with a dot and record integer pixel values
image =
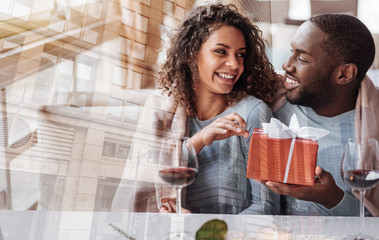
(362, 209)
(179, 201)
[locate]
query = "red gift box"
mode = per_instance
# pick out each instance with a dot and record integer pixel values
(268, 159)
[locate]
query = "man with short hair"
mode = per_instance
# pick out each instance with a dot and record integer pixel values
(327, 88)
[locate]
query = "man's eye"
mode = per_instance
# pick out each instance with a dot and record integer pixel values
(302, 60)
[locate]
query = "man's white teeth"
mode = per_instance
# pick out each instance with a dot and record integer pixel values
(226, 75)
(290, 81)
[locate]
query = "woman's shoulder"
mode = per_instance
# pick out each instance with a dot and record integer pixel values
(251, 105)
(251, 102)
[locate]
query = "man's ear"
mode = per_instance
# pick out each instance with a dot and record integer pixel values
(346, 73)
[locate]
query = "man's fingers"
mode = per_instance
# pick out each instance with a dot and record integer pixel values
(284, 188)
(319, 171)
(276, 184)
(280, 188)
(322, 175)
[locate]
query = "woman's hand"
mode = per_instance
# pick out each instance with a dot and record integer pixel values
(169, 206)
(221, 128)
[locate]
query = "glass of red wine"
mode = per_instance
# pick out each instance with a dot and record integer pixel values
(178, 166)
(360, 170)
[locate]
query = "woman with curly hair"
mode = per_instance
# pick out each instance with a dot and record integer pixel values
(180, 74)
(218, 71)
(215, 87)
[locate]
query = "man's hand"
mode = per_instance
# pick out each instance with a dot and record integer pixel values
(324, 191)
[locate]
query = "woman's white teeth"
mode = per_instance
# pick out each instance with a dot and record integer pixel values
(226, 75)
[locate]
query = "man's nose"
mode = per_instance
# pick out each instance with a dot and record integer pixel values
(288, 65)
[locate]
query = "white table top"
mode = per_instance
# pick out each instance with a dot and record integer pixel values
(95, 225)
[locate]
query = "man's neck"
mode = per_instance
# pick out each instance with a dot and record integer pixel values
(336, 107)
(332, 112)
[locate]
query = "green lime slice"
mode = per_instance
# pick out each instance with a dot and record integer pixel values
(214, 229)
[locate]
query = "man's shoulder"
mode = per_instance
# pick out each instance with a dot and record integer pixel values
(287, 109)
(285, 112)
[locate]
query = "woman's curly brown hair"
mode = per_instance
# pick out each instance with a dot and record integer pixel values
(179, 70)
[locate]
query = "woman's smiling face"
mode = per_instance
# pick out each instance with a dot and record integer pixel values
(220, 60)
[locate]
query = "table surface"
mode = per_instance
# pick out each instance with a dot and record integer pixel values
(96, 225)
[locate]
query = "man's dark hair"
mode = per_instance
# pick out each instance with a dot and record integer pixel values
(349, 40)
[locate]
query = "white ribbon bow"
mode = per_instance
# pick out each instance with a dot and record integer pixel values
(276, 129)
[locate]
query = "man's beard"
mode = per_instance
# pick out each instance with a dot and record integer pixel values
(315, 95)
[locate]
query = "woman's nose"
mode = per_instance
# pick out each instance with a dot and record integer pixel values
(232, 62)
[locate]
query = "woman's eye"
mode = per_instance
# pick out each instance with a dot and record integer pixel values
(221, 51)
(242, 55)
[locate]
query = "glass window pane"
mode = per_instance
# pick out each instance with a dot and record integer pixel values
(109, 149)
(131, 112)
(115, 108)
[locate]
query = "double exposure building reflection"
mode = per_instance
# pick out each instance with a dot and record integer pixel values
(74, 76)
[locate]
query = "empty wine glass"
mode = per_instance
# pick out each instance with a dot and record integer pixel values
(360, 170)
(178, 166)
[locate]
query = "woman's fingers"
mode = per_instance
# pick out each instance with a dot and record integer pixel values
(221, 128)
(173, 206)
(164, 209)
(166, 206)
(170, 207)
(230, 125)
(235, 117)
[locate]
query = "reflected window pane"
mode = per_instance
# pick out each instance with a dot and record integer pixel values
(122, 151)
(41, 93)
(4, 6)
(82, 85)
(78, 99)
(109, 149)
(66, 66)
(62, 97)
(131, 112)
(64, 81)
(8, 72)
(84, 71)
(21, 11)
(115, 108)
(119, 75)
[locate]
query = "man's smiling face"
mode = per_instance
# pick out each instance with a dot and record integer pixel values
(309, 69)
